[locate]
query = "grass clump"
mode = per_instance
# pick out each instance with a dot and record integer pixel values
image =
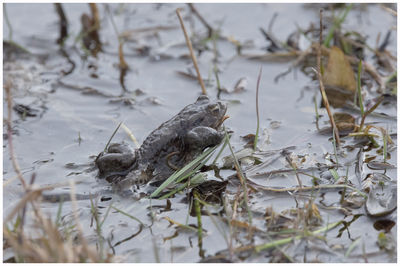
(49, 241)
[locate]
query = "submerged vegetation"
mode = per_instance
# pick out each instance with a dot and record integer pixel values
(328, 196)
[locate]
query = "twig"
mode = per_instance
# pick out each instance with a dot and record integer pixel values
(321, 84)
(189, 44)
(257, 111)
(7, 88)
(203, 21)
(63, 23)
(370, 110)
(112, 136)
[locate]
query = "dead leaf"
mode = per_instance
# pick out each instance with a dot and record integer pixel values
(339, 72)
(339, 76)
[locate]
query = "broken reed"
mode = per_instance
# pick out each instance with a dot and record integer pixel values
(192, 55)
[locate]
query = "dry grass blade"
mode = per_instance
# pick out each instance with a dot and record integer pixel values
(179, 224)
(130, 134)
(321, 85)
(192, 55)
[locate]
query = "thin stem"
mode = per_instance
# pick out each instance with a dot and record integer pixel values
(203, 21)
(15, 164)
(10, 29)
(360, 99)
(257, 110)
(241, 178)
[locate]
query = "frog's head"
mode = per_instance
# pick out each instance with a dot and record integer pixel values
(210, 113)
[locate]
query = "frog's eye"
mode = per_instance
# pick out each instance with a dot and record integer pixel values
(214, 108)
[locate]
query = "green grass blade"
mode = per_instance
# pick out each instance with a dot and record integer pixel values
(352, 247)
(128, 215)
(334, 174)
(337, 25)
(178, 174)
(197, 179)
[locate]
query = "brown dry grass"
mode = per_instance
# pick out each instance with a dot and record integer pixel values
(46, 240)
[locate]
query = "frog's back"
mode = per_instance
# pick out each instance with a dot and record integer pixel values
(169, 136)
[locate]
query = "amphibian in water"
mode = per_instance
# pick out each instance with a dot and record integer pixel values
(172, 145)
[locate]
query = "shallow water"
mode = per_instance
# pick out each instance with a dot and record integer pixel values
(78, 112)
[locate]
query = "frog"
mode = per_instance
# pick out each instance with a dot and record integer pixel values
(166, 149)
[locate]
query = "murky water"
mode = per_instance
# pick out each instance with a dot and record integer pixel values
(77, 113)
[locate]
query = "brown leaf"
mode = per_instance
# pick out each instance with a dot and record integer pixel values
(339, 72)
(338, 78)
